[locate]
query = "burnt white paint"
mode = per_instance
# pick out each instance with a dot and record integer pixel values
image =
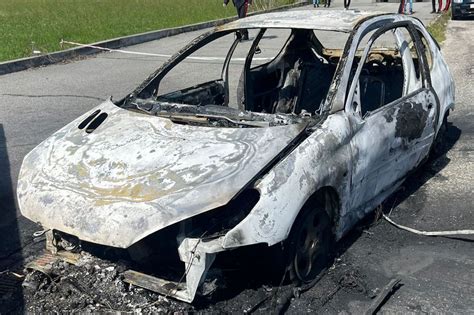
(330, 20)
(136, 173)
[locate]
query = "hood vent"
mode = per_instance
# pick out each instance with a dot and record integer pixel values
(96, 122)
(86, 121)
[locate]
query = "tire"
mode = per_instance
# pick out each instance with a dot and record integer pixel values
(437, 148)
(308, 248)
(454, 17)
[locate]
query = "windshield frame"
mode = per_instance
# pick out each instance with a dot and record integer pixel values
(150, 87)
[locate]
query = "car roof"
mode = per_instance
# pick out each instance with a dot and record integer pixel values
(326, 20)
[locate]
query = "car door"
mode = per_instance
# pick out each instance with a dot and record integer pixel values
(392, 110)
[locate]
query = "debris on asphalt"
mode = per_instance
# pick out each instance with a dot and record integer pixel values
(387, 291)
(91, 285)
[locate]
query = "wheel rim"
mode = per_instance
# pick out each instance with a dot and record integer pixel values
(310, 248)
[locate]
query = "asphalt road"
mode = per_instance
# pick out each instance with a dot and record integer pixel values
(437, 273)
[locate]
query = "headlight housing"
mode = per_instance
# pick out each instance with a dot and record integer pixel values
(458, 1)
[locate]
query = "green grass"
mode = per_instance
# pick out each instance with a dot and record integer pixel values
(438, 28)
(27, 25)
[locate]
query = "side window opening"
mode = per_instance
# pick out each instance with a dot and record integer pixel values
(177, 86)
(425, 46)
(410, 60)
(270, 46)
(389, 71)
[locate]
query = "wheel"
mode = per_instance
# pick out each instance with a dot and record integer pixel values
(438, 143)
(309, 245)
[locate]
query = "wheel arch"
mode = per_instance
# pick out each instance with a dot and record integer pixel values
(327, 198)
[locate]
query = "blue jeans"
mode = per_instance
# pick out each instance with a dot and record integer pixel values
(409, 2)
(315, 2)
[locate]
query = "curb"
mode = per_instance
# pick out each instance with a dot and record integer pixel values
(63, 55)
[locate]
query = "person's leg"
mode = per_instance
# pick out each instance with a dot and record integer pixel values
(329, 3)
(401, 7)
(411, 6)
(448, 4)
(317, 3)
(242, 12)
(433, 5)
(440, 5)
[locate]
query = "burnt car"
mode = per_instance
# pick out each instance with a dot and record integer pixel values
(462, 9)
(289, 146)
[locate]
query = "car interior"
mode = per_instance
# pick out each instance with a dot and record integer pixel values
(298, 79)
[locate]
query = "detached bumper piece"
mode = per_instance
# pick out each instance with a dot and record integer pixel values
(45, 262)
(197, 255)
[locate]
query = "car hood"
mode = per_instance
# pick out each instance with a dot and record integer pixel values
(137, 173)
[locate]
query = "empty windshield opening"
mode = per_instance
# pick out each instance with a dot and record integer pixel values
(279, 71)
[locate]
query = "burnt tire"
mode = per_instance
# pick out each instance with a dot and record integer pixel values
(311, 227)
(307, 250)
(309, 245)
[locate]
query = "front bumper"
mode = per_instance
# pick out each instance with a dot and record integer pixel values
(196, 253)
(463, 9)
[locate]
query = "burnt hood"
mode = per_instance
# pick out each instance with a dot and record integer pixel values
(134, 174)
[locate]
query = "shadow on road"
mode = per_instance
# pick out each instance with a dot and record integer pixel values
(10, 242)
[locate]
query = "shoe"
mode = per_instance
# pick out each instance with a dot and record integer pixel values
(318, 5)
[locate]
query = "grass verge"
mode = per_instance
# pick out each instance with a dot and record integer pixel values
(438, 28)
(39, 25)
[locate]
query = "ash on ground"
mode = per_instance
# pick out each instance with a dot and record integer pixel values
(91, 285)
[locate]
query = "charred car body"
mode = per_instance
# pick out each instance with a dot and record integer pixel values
(316, 139)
